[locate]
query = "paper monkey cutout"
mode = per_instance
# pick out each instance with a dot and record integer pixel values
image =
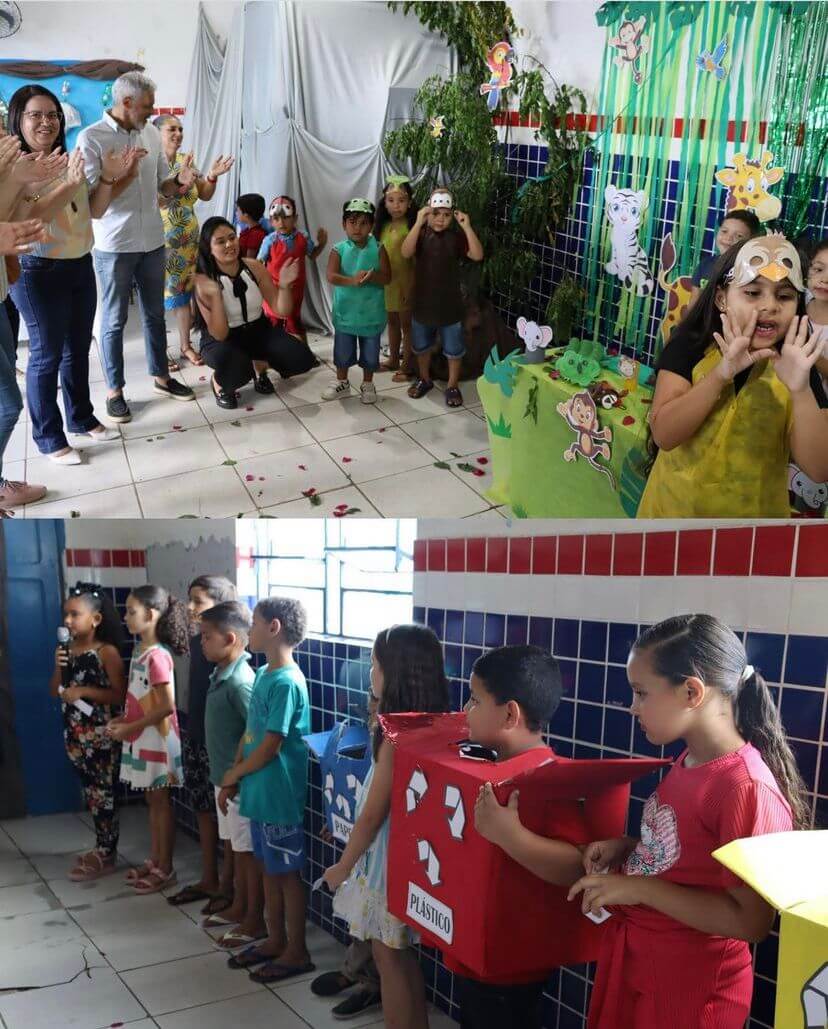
(747, 183)
(625, 208)
(437, 126)
(536, 337)
(631, 43)
(581, 415)
(498, 60)
(712, 62)
(678, 291)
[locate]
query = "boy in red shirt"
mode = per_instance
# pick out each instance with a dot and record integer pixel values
(249, 214)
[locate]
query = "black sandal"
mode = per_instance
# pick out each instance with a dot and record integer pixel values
(454, 398)
(420, 388)
(249, 958)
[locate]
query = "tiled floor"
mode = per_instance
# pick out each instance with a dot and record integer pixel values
(93, 955)
(178, 458)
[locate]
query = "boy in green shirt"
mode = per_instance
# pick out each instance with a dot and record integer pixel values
(272, 770)
(224, 631)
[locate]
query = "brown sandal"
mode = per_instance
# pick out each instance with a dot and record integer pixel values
(154, 881)
(134, 874)
(192, 355)
(93, 866)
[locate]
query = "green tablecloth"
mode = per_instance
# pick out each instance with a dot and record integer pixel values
(529, 437)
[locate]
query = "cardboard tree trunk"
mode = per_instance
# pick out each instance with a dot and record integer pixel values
(344, 754)
(789, 870)
(463, 894)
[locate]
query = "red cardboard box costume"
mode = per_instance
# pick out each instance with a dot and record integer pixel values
(463, 894)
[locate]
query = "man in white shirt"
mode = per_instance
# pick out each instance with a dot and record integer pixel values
(129, 238)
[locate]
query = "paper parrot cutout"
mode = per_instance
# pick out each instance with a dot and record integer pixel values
(747, 184)
(498, 59)
(437, 126)
(712, 62)
(344, 754)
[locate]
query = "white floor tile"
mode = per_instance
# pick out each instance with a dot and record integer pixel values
(15, 471)
(481, 462)
(316, 1011)
(209, 493)
(40, 928)
(401, 408)
(450, 435)
(151, 417)
(256, 1011)
(251, 404)
(23, 900)
(122, 913)
(86, 1003)
(284, 476)
(49, 834)
(15, 871)
(173, 453)
(170, 936)
(47, 962)
(80, 894)
(254, 435)
(396, 496)
(373, 455)
(104, 467)
(176, 985)
(336, 418)
(121, 502)
(16, 447)
(330, 502)
(306, 389)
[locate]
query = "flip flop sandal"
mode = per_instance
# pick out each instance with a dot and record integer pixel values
(248, 958)
(454, 398)
(217, 922)
(92, 867)
(232, 939)
(154, 882)
(274, 972)
(134, 874)
(188, 895)
(215, 905)
(420, 388)
(401, 376)
(172, 364)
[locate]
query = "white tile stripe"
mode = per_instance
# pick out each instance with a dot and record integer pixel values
(120, 577)
(757, 603)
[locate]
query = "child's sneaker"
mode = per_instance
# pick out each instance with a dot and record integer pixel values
(337, 389)
(368, 393)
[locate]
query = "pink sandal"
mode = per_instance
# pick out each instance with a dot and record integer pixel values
(93, 866)
(134, 874)
(154, 881)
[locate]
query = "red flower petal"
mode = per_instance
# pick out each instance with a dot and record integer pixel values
(249, 478)
(308, 492)
(177, 428)
(482, 460)
(250, 408)
(478, 472)
(202, 378)
(339, 514)
(347, 460)
(341, 507)
(261, 478)
(302, 467)
(629, 420)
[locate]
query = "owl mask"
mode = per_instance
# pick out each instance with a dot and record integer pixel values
(283, 206)
(441, 198)
(773, 257)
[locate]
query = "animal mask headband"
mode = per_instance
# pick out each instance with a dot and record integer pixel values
(441, 198)
(359, 206)
(395, 181)
(773, 257)
(283, 206)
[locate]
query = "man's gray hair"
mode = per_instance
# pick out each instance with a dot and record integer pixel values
(131, 83)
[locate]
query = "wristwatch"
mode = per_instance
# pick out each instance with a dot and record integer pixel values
(33, 199)
(107, 182)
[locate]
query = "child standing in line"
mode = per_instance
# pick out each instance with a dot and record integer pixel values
(225, 629)
(438, 302)
(148, 729)
(203, 593)
(395, 218)
(514, 692)
(358, 268)
(675, 951)
(736, 227)
(406, 675)
(737, 396)
(96, 679)
(249, 214)
(272, 771)
(287, 243)
(817, 305)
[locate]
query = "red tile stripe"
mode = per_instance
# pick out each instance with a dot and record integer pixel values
(104, 558)
(764, 550)
(594, 123)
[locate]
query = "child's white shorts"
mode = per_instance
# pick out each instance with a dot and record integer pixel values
(234, 826)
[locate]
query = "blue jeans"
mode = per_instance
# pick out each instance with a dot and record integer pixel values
(345, 351)
(423, 338)
(11, 403)
(57, 301)
(115, 274)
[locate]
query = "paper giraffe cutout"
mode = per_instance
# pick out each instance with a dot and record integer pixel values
(625, 208)
(712, 62)
(497, 59)
(678, 291)
(581, 415)
(747, 184)
(631, 43)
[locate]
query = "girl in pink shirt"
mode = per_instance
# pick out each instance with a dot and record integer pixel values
(675, 951)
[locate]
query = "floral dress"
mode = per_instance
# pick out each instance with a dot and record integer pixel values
(362, 900)
(181, 238)
(151, 757)
(95, 755)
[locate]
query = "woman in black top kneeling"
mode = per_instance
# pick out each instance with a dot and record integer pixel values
(229, 291)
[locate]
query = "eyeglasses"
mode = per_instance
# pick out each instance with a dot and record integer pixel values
(52, 117)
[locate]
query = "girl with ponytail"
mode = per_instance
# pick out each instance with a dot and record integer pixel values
(151, 758)
(675, 951)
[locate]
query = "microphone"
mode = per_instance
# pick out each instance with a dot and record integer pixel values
(64, 638)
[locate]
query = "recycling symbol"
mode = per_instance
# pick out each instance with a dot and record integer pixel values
(329, 787)
(343, 806)
(415, 791)
(457, 819)
(354, 785)
(427, 856)
(815, 999)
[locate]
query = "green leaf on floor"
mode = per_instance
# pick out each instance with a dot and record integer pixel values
(464, 466)
(74, 514)
(236, 423)
(500, 428)
(229, 461)
(519, 512)
(442, 464)
(315, 500)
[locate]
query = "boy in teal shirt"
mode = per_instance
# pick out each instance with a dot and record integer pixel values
(272, 770)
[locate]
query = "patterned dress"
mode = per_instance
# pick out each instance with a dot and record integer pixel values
(152, 757)
(94, 755)
(362, 900)
(181, 237)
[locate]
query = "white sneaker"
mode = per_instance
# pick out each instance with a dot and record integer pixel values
(337, 390)
(102, 435)
(368, 393)
(68, 457)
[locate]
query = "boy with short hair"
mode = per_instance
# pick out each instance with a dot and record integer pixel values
(736, 227)
(224, 633)
(515, 691)
(272, 770)
(249, 215)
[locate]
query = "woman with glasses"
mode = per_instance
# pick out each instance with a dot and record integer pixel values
(181, 229)
(56, 292)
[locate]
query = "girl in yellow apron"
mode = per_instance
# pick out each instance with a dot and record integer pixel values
(737, 396)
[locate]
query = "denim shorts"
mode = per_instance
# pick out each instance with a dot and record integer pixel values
(423, 338)
(280, 848)
(345, 351)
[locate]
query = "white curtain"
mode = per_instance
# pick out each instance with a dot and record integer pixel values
(213, 118)
(322, 84)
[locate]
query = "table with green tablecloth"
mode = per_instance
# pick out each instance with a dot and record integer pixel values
(529, 437)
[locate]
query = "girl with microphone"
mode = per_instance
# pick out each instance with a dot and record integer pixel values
(90, 681)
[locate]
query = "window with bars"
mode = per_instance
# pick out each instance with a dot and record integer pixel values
(354, 577)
